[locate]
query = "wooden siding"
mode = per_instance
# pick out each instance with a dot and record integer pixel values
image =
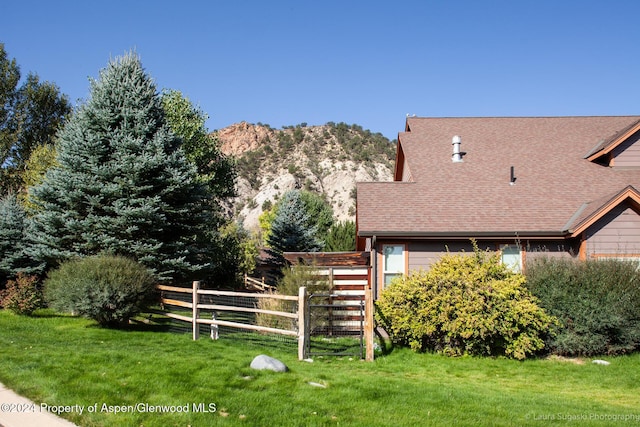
(347, 286)
(423, 254)
(617, 233)
(627, 154)
(551, 249)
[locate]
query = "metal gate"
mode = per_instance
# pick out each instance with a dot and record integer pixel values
(336, 325)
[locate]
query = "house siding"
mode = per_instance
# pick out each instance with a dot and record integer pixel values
(423, 254)
(627, 154)
(552, 249)
(617, 233)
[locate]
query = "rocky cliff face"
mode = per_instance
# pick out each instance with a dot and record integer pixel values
(326, 159)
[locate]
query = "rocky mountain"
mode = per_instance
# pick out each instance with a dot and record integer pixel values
(327, 159)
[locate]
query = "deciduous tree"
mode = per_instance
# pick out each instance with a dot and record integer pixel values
(30, 115)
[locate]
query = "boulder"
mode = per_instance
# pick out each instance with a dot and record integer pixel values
(265, 362)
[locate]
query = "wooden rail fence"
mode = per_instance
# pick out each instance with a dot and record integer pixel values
(195, 305)
(300, 316)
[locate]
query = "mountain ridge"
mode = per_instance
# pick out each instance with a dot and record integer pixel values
(326, 159)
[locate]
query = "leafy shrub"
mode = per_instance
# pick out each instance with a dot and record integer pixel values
(109, 289)
(465, 304)
(22, 295)
(597, 303)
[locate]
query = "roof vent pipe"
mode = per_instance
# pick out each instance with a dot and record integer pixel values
(457, 155)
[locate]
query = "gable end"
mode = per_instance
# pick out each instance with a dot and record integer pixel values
(629, 196)
(620, 150)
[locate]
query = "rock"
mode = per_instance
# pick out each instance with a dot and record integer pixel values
(265, 362)
(601, 362)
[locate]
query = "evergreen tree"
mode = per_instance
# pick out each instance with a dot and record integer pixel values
(341, 237)
(290, 229)
(320, 214)
(121, 183)
(14, 241)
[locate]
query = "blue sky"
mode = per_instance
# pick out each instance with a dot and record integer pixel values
(364, 62)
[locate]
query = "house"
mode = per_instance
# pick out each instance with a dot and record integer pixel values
(524, 186)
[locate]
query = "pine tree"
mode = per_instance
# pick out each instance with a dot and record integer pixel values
(341, 237)
(14, 240)
(121, 184)
(290, 229)
(320, 214)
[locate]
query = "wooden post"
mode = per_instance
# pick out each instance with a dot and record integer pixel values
(194, 310)
(330, 311)
(369, 335)
(302, 323)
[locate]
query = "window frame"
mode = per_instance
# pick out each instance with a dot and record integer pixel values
(521, 257)
(384, 273)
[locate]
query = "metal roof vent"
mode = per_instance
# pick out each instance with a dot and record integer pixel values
(457, 155)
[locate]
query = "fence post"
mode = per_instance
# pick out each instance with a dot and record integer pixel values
(368, 323)
(194, 310)
(302, 323)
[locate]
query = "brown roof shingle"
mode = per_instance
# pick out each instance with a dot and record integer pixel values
(553, 178)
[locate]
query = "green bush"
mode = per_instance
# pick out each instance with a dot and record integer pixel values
(465, 304)
(109, 289)
(22, 295)
(597, 303)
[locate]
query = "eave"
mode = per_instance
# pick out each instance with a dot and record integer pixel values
(464, 235)
(628, 193)
(607, 147)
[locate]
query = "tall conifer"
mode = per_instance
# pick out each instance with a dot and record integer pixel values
(290, 229)
(14, 240)
(122, 184)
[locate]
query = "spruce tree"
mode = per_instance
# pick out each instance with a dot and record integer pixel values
(121, 184)
(290, 229)
(14, 240)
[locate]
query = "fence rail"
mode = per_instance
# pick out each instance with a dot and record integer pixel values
(257, 284)
(196, 305)
(298, 318)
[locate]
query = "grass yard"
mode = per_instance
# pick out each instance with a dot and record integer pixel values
(70, 361)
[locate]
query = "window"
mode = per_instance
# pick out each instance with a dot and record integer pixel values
(512, 257)
(393, 262)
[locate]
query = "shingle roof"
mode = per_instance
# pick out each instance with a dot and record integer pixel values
(554, 181)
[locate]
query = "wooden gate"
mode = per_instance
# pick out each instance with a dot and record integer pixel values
(339, 321)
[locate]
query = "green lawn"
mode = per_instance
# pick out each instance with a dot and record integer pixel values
(70, 361)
